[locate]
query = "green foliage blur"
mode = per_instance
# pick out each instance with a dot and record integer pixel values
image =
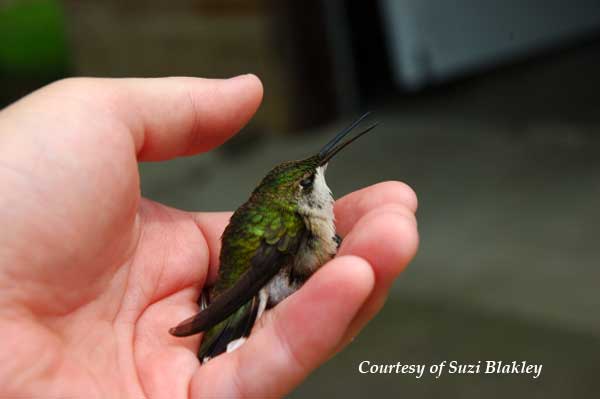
(33, 46)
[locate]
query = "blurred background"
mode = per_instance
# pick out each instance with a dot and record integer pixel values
(490, 109)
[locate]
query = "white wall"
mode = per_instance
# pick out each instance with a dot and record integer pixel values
(434, 40)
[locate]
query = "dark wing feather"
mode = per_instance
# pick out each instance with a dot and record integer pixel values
(265, 265)
(238, 325)
(277, 237)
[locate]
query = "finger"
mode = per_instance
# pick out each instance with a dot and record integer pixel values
(350, 208)
(170, 117)
(387, 238)
(212, 224)
(294, 338)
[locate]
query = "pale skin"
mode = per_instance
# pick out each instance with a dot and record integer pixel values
(92, 275)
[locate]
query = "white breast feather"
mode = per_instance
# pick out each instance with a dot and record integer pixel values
(317, 210)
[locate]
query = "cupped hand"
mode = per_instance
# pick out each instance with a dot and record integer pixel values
(92, 276)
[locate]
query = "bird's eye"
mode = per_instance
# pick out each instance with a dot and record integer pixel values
(308, 181)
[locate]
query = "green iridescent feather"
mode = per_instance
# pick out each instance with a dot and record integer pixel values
(269, 217)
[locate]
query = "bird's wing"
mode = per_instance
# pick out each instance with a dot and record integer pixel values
(271, 236)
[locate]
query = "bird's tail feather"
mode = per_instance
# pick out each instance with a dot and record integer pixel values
(236, 326)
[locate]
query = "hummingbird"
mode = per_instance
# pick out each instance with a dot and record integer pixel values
(273, 243)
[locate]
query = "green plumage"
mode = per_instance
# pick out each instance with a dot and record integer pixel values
(252, 225)
(269, 217)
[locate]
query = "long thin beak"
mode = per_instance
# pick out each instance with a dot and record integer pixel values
(332, 148)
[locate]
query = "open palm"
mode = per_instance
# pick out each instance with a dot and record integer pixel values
(92, 275)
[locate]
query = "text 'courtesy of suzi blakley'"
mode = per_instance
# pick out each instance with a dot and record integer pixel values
(453, 368)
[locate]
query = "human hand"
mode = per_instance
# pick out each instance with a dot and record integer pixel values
(92, 276)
